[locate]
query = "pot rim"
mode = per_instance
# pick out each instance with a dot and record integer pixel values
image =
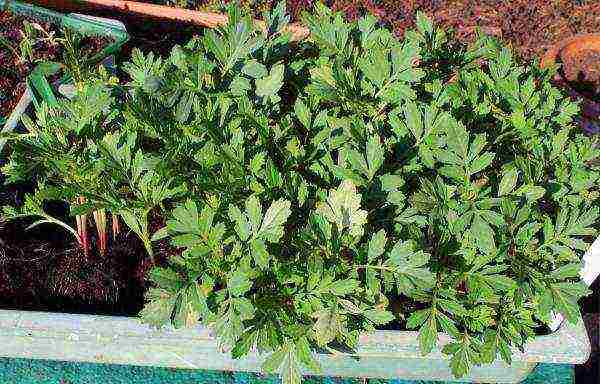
(578, 41)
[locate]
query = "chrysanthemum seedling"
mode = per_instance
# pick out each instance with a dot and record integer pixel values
(319, 190)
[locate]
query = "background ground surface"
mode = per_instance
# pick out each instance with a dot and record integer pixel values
(23, 371)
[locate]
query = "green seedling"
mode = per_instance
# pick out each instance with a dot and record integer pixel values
(314, 191)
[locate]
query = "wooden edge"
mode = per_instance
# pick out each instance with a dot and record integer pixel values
(200, 18)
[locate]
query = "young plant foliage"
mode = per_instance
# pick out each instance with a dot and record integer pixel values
(326, 188)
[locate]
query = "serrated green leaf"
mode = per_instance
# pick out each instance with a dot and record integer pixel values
(326, 326)
(274, 220)
(305, 356)
(566, 296)
(378, 317)
(302, 113)
(166, 278)
(483, 235)
(377, 245)
(302, 193)
(238, 283)
(257, 163)
(254, 213)
(390, 183)
(259, 253)
(274, 361)
(427, 336)
(160, 234)
(410, 268)
(481, 162)
(464, 355)
(343, 208)
(412, 116)
(242, 226)
(566, 271)
(531, 192)
(254, 69)
(374, 156)
(268, 86)
(185, 218)
(343, 287)
(158, 308)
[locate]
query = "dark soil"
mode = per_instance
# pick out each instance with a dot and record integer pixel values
(14, 70)
(529, 26)
(44, 268)
(150, 35)
(589, 373)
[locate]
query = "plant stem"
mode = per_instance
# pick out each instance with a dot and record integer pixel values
(86, 245)
(115, 225)
(148, 245)
(51, 220)
(79, 231)
(104, 232)
(82, 228)
(100, 219)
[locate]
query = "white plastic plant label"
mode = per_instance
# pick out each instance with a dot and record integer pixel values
(591, 263)
(589, 272)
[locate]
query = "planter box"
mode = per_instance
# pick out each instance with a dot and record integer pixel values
(381, 354)
(84, 24)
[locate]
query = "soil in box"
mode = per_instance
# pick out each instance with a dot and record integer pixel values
(23, 44)
(45, 269)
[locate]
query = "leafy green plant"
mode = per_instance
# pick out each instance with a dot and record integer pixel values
(326, 188)
(74, 148)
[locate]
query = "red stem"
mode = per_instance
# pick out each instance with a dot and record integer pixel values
(115, 225)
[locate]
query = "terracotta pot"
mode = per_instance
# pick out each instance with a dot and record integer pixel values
(567, 52)
(204, 19)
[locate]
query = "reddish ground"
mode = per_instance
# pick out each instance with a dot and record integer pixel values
(530, 26)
